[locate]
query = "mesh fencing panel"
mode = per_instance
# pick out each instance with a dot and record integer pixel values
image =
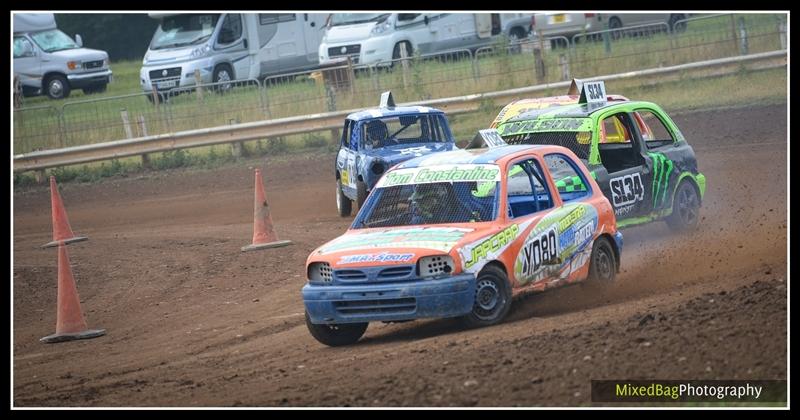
(433, 203)
(568, 139)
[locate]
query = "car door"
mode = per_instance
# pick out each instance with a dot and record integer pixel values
(313, 27)
(346, 160)
(627, 170)
(531, 207)
(231, 41)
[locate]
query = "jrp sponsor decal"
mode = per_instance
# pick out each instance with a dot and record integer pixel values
(464, 173)
(626, 189)
(440, 239)
(382, 257)
(489, 247)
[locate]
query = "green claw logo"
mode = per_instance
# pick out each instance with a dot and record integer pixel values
(662, 169)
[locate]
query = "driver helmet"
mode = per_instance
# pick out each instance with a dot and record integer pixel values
(428, 197)
(377, 133)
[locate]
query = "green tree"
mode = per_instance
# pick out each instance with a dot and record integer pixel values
(125, 36)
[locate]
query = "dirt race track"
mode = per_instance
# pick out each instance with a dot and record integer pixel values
(192, 321)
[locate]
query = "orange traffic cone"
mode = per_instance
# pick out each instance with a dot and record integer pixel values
(62, 233)
(70, 324)
(263, 234)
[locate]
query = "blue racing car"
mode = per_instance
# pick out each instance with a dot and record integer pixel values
(376, 139)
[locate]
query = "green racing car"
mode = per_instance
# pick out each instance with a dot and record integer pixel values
(633, 149)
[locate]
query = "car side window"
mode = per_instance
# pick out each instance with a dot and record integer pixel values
(570, 181)
(346, 133)
(613, 130)
(22, 47)
(654, 131)
(527, 192)
(231, 29)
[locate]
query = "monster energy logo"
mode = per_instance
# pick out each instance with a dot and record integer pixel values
(662, 168)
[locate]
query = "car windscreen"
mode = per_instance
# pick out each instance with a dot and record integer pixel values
(53, 40)
(402, 129)
(339, 19)
(429, 204)
(183, 30)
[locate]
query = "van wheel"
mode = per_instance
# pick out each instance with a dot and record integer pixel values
(396, 52)
(57, 87)
(685, 208)
(674, 25)
(361, 193)
(343, 204)
(516, 37)
(336, 334)
(492, 299)
(223, 73)
(614, 24)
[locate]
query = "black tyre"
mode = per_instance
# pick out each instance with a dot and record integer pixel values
(685, 208)
(343, 204)
(336, 334)
(603, 264)
(615, 25)
(361, 193)
(222, 74)
(95, 89)
(516, 37)
(56, 87)
(492, 299)
(676, 26)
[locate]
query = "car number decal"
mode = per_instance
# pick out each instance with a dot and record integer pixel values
(626, 189)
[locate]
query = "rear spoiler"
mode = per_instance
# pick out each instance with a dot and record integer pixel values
(488, 137)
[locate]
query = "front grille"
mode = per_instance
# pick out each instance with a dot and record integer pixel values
(349, 49)
(398, 306)
(350, 275)
(395, 272)
(93, 64)
(171, 73)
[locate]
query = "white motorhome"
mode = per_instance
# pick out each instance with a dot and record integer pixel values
(47, 61)
(229, 46)
(372, 38)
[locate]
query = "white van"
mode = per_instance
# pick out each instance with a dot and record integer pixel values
(47, 61)
(372, 38)
(229, 46)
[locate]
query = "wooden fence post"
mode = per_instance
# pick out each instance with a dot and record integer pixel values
(198, 81)
(126, 123)
(404, 63)
(143, 133)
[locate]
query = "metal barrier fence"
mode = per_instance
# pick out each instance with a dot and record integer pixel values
(415, 78)
(624, 32)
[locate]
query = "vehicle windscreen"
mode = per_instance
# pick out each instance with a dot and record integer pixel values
(339, 19)
(403, 129)
(432, 195)
(182, 30)
(54, 40)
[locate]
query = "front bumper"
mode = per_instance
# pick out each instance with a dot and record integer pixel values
(183, 79)
(440, 298)
(374, 50)
(79, 81)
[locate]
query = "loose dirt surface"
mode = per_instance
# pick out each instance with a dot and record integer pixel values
(192, 321)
